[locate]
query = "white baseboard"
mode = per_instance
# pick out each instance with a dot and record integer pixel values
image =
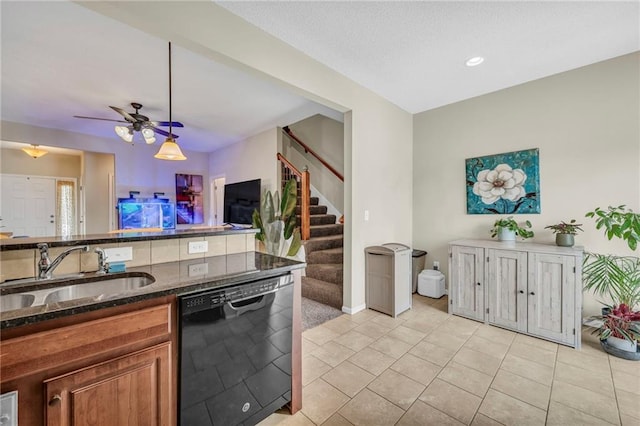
(355, 310)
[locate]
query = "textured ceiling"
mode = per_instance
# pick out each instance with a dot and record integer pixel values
(414, 53)
(61, 59)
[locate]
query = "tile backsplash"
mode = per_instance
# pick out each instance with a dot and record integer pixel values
(16, 264)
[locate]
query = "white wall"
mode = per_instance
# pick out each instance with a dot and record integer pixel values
(253, 158)
(325, 136)
(586, 123)
(98, 210)
(378, 135)
(15, 161)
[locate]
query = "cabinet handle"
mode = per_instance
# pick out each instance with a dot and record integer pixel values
(521, 291)
(55, 399)
(532, 293)
(478, 283)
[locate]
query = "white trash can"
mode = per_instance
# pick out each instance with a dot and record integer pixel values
(431, 283)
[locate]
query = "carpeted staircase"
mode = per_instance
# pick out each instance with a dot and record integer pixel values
(323, 280)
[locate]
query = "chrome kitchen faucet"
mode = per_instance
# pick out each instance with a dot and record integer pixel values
(46, 266)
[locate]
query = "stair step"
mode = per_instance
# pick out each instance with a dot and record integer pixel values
(322, 292)
(313, 210)
(334, 255)
(329, 272)
(323, 243)
(324, 230)
(312, 200)
(320, 219)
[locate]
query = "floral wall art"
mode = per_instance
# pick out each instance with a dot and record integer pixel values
(505, 183)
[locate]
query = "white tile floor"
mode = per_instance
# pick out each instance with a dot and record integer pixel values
(429, 368)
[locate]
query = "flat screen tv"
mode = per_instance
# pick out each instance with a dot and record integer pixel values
(240, 199)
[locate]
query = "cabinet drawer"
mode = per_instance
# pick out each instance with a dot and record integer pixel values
(37, 352)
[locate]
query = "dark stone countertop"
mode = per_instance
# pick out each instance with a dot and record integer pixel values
(116, 237)
(178, 278)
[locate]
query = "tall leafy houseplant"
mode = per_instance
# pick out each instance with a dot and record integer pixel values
(617, 277)
(276, 221)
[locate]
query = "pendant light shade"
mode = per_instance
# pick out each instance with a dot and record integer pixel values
(170, 149)
(34, 151)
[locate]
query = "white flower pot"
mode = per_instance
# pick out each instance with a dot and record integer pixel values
(505, 234)
(623, 344)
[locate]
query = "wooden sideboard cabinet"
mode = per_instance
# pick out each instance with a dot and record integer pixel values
(529, 288)
(113, 366)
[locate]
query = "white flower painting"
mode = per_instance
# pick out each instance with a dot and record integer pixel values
(503, 183)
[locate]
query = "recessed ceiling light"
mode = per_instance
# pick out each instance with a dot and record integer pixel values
(475, 61)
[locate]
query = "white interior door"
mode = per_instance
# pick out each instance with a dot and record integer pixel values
(28, 205)
(217, 200)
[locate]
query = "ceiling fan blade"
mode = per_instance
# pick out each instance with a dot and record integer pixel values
(124, 113)
(98, 118)
(163, 133)
(166, 123)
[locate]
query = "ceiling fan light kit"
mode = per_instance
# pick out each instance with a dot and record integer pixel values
(125, 133)
(34, 151)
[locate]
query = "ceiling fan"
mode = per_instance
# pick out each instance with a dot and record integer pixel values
(138, 123)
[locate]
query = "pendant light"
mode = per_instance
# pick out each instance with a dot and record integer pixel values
(34, 151)
(170, 149)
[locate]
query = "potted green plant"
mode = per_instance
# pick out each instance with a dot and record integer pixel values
(276, 221)
(506, 229)
(613, 276)
(565, 232)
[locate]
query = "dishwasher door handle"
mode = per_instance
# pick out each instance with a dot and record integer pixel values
(239, 307)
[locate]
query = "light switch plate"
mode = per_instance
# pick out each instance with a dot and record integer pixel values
(198, 269)
(119, 254)
(198, 247)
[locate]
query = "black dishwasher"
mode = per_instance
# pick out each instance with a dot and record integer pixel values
(235, 352)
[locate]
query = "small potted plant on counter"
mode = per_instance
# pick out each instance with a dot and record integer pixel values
(507, 228)
(565, 232)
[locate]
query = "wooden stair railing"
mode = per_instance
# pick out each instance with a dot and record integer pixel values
(289, 171)
(307, 149)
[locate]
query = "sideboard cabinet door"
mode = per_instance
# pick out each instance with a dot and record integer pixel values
(507, 288)
(466, 294)
(551, 296)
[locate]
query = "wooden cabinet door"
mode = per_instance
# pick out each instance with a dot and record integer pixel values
(131, 390)
(550, 296)
(507, 282)
(466, 286)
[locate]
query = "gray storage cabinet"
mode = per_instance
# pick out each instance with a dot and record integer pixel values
(388, 278)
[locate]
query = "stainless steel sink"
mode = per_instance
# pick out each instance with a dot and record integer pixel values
(106, 287)
(10, 302)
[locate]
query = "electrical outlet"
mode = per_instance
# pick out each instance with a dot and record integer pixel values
(198, 247)
(436, 265)
(198, 269)
(119, 254)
